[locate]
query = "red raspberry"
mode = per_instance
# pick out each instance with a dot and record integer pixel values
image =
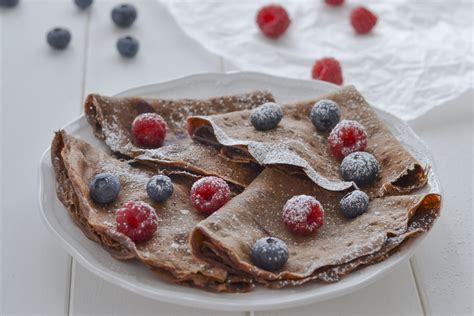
(273, 20)
(328, 69)
(347, 137)
(209, 194)
(363, 20)
(137, 220)
(334, 2)
(303, 215)
(149, 130)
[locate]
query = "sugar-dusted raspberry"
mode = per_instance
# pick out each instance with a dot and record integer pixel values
(209, 194)
(149, 130)
(327, 69)
(334, 2)
(363, 20)
(137, 220)
(273, 20)
(347, 137)
(303, 215)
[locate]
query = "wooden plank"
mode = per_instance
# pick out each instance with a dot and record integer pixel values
(443, 264)
(41, 90)
(395, 294)
(165, 53)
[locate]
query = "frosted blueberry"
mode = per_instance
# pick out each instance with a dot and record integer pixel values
(353, 204)
(360, 167)
(269, 253)
(104, 188)
(325, 115)
(267, 116)
(159, 188)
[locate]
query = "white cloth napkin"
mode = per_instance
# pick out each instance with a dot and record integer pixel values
(418, 56)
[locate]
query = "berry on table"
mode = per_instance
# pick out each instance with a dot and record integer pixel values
(83, 4)
(334, 2)
(303, 215)
(363, 20)
(127, 46)
(8, 3)
(137, 220)
(159, 188)
(327, 69)
(266, 116)
(208, 194)
(353, 204)
(347, 137)
(58, 38)
(124, 15)
(269, 253)
(149, 130)
(325, 115)
(104, 188)
(360, 167)
(273, 20)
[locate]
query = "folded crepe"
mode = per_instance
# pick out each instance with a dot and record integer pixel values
(168, 252)
(111, 119)
(339, 246)
(296, 144)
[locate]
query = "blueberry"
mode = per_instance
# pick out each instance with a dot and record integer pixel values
(58, 38)
(124, 15)
(127, 46)
(354, 203)
(325, 114)
(8, 3)
(266, 116)
(159, 188)
(104, 188)
(360, 167)
(269, 253)
(83, 4)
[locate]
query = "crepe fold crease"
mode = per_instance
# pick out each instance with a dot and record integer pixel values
(168, 253)
(297, 146)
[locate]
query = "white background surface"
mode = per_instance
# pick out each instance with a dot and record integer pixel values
(41, 90)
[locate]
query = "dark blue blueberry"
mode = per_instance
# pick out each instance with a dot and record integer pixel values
(83, 4)
(58, 38)
(159, 188)
(269, 253)
(266, 116)
(354, 203)
(8, 3)
(124, 15)
(360, 167)
(127, 46)
(325, 114)
(104, 188)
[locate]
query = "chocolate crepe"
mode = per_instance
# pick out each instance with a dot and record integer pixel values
(76, 162)
(339, 246)
(111, 119)
(298, 146)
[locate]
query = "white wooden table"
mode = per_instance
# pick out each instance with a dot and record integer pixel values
(42, 89)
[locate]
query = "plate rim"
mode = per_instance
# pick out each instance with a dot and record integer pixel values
(239, 305)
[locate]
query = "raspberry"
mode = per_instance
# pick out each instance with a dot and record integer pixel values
(303, 215)
(149, 130)
(137, 220)
(347, 137)
(334, 2)
(273, 20)
(363, 20)
(209, 194)
(328, 69)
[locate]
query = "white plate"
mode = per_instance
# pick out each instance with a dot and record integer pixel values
(137, 278)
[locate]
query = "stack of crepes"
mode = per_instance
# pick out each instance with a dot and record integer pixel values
(263, 169)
